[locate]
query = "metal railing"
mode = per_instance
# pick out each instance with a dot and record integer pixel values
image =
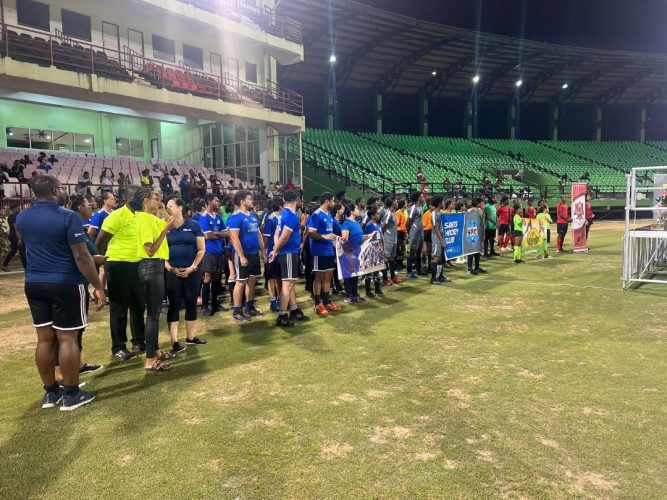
(265, 17)
(47, 50)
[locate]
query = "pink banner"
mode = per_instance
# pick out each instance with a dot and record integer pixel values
(580, 243)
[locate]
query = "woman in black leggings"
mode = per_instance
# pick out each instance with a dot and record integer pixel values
(186, 251)
(153, 250)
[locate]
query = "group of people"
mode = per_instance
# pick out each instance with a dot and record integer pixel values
(151, 254)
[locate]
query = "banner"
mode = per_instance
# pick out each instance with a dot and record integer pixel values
(579, 241)
(462, 233)
(534, 234)
(358, 260)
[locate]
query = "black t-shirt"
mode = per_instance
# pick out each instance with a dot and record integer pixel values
(12, 227)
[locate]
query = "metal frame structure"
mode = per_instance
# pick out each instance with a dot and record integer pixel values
(644, 248)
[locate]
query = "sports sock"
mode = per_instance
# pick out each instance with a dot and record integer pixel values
(317, 299)
(237, 309)
(384, 274)
(392, 268)
(410, 263)
(293, 307)
(434, 271)
(205, 294)
(52, 388)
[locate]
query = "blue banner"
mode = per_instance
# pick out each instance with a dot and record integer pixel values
(463, 233)
(359, 260)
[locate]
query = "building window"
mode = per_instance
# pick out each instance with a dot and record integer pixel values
(193, 56)
(163, 49)
(76, 25)
(33, 14)
(250, 72)
(129, 147)
(58, 140)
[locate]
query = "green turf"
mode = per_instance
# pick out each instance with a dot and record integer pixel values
(522, 383)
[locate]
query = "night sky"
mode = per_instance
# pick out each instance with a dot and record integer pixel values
(637, 25)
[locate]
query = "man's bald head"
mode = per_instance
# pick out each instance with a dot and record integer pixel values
(45, 186)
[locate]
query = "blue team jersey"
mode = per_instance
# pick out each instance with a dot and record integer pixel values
(336, 228)
(270, 224)
(247, 226)
(356, 234)
(323, 223)
(48, 231)
(209, 223)
(183, 243)
(372, 227)
(97, 219)
(289, 221)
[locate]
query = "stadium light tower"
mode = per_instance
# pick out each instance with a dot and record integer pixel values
(475, 79)
(565, 86)
(332, 59)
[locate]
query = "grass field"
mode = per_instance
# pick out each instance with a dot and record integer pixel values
(537, 381)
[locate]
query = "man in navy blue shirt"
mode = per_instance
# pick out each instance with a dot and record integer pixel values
(59, 266)
(248, 253)
(214, 231)
(321, 235)
(272, 269)
(287, 248)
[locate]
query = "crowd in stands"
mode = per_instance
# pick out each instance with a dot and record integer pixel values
(152, 252)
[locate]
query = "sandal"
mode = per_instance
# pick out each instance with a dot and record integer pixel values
(164, 356)
(158, 366)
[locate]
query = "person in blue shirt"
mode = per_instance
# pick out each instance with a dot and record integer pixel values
(184, 188)
(272, 269)
(214, 231)
(286, 252)
(352, 234)
(187, 248)
(321, 236)
(96, 221)
(373, 229)
(59, 266)
(248, 246)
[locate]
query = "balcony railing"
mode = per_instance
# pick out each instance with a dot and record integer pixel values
(266, 18)
(66, 53)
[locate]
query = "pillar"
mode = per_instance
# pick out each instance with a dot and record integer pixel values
(330, 124)
(423, 115)
(554, 117)
(642, 124)
(264, 155)
(469, 118)
(597, 121)
(511, 118)
(377, 113)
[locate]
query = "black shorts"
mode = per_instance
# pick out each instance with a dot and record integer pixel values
(212, 263)
(503, 229)
(561, 228)
(427, 235)
(289, 266)
(489, 234)
(252, 270)
(272, 270)
(65, 307)
(402, 236)
(324, 263)
(517, 234)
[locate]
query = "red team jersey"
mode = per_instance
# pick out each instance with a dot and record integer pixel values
(563, 213)
(503, 214)
(531, 212)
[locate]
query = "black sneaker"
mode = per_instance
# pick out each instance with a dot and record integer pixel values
(78, 399)
(177, 347)
(253, 312)
(435, 281)
(88, 368)
(240, 317)
(284, 321)
(205, 311)
(123, 355)
(195, 341)
(473, 271)
(218, 308)
(298, 315)
(138, 347)
(444, 279)
(481, 271)
(52, 399)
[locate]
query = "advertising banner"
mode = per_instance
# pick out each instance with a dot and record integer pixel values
(534, 233)
(579, 241)
(462, 233)
(358, 260)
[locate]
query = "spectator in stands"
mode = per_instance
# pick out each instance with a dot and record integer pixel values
(53, 159)
(184, 188)
(44, 165)
(146, 179)
(4, 178)
(447, 185)
(585, 176)
(289, 186)
(106, 182)
(421, 176)
(157, 170)
(166, 186)
(215, 184)
(123, 182)
(40, 156)
(17, 170)
(561, 188)
(15, 244)
(83, 184)
(202, 185)
(26, 160)
(173, 172)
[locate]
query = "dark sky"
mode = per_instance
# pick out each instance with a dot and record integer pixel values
(638, 25)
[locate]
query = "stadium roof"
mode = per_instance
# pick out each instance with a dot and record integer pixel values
(389, 53)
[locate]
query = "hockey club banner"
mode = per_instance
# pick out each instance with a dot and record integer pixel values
(358, 260)
(462, 233)
(534, 234)
(580, 243)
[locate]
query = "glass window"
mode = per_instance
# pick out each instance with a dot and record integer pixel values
(76, 25)
(84, 143)
(136, 147)
(163, 49)
(40, 138)
(33, 14)
(122, 146)
(18, 137)
(240, 133)
(193, 56)
(250, 72)
(63, 141)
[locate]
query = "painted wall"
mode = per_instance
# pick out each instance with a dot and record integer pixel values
(180, 141)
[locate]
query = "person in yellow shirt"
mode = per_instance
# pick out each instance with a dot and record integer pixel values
(153, 250)
(117, 239)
